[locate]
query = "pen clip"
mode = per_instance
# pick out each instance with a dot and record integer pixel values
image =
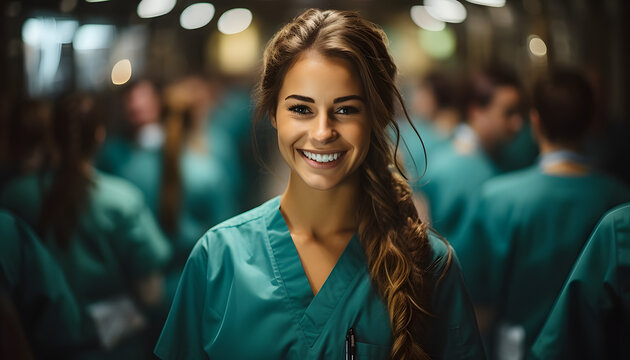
(351, 345)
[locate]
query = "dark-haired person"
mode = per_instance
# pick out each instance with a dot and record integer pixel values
(186, 168)
(590, 319)
(341, 255)
(491, 113)
(45, 321)
(532, 224)
(98, 228)
(435, 116)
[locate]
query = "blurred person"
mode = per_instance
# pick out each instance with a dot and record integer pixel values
(98, 229)
(590, 319)
(531, 224)
(184, 165)
(342, 255)
(26, 137)
(435, 103)
(135, 153)
(40, 317)
(491, 103)
(198, 177)
(232, 115)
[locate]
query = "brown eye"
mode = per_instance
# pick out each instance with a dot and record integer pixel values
(300, 109)
(347, 110)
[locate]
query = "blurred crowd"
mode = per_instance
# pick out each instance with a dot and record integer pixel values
(98, 213)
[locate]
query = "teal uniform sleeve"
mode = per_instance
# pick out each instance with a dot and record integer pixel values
(457, 336)
(590, 317)
(183, 335)
(48, 309)
(140, 241)
(484, 254)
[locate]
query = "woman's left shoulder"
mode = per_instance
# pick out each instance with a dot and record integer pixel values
(441, 252)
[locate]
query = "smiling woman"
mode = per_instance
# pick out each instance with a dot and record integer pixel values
(321, 117)
(340, 263)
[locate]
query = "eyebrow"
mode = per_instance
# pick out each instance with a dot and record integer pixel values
(337, 100)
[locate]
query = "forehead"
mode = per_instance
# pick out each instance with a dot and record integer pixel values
(321, 77)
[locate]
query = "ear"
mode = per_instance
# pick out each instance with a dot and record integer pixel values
(272, 117)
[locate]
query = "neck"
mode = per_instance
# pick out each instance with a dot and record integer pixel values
(567, 167)
(321, 213)
(547, 147)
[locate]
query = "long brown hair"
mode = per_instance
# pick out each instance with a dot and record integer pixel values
(392, 235)
(76, 121)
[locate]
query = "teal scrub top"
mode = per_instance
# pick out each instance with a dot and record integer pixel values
(525, 236)
(452, 186)
(244, 295)
(413, 153)
(519, 153)
(590, 317)
(208, 185)
(116, 240)
(37, 286)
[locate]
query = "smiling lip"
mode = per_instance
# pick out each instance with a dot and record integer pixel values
(322, 159)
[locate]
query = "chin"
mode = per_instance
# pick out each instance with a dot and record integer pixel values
(320, 184)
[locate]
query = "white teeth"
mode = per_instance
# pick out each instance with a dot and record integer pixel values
(322, 158)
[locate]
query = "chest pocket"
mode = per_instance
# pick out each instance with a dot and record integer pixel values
(372, 351)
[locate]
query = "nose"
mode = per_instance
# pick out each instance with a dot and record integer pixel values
(323, 129)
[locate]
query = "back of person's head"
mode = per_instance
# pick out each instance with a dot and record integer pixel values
(565, 102)
(77, 122)
(436, 90)
(29, 130)
(389, 226)
(481, 86)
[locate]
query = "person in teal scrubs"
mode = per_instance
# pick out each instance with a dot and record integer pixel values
(100, 231)
(492, 99)
(340, 264)
(38, 289)
(532, 224)
(182, 168)
(436, 115)
(590, 317)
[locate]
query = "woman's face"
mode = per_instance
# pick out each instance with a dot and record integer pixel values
(322, 120)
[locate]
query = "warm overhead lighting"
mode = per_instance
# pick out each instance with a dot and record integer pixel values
(234, 21)
(421, 17)
(121, 72)
(537, 46)
(492, 3)
(95, 1)
(451, 11)
(196, 16)
(154, 8)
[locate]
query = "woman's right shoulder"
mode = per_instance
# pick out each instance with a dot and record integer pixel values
(243, 233)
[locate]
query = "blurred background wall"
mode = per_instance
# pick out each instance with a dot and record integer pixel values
(54, 46)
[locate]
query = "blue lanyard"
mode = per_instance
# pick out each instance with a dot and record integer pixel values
(562, 156)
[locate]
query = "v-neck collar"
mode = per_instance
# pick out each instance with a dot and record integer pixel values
(310, 311)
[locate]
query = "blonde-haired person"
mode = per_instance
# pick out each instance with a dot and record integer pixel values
(342, 254)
